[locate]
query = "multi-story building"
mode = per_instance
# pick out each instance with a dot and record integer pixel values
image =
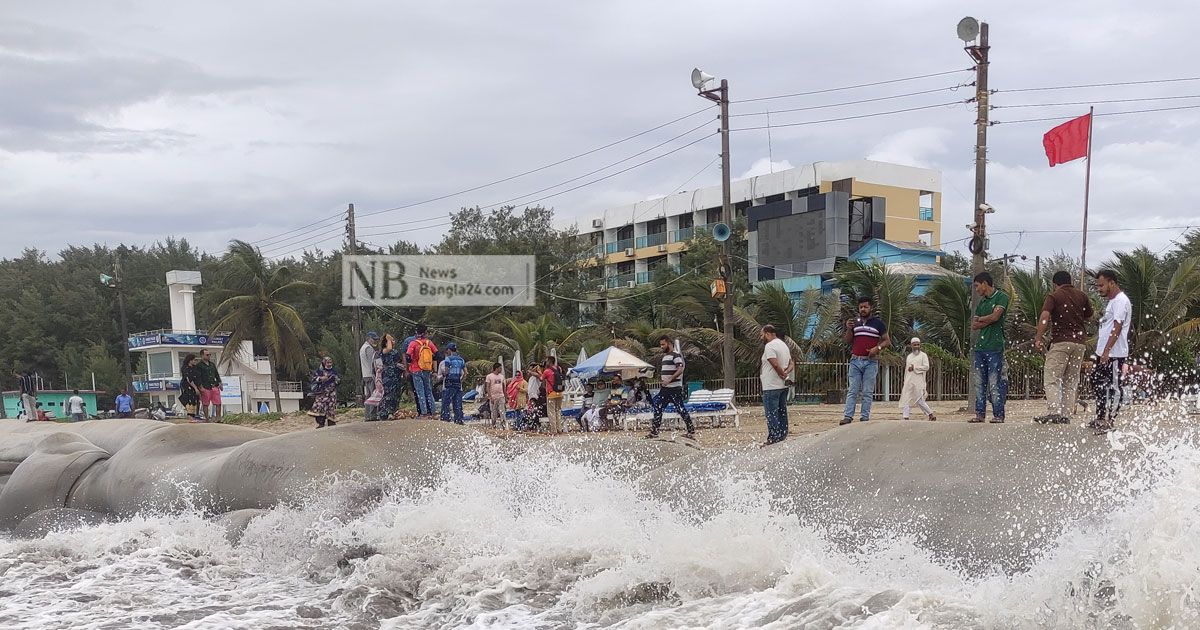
(246, 379)
(799, 221)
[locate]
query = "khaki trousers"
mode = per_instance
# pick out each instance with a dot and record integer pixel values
(1061, 377)
(554, 413)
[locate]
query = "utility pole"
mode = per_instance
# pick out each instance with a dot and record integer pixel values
(720, 96)
(119, 285)
(356, 320)
(1037, 267)
(979, 53)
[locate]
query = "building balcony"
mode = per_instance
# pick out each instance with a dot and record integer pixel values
(620, 281)
(157, 338)
(617, 246)
(651, 240)
(925, 214)
(284, 387)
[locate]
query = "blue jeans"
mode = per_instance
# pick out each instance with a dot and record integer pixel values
(862, 385)
(423, 386)
(452, 397)
(991, 384)
(775, 407)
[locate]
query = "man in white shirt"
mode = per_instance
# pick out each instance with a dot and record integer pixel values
(776, 366)
(76, 407)
(366, 365)
(1112, 350)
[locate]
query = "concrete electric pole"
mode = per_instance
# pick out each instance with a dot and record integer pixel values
(356, 319)
(978, 53)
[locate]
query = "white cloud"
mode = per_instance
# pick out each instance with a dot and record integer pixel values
(913, 147)
(763, 166)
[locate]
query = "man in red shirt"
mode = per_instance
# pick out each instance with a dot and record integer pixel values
(552, 377)
(421, 364)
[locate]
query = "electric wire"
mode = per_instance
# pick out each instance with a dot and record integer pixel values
(1123, 113)
(853, 87)
(950, 88)
(1096, 85)
(856, 117)
(1114, 100)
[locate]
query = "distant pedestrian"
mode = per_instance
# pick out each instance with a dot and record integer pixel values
(991, 373)
(391, 375)
(371, 403)
(867, 336)
(28, 385)
(324, 389)
(420, 365)
(189, 387)
(671, 390)
(774, 371)
(76, 407)
(124, 406)
(1067, 310)
(366, 367)
(453, 371)
(552, 378)
(535, 399)
(40, 414)
(916, 365)
(1112, 351)
(210, 387)
(493, 391)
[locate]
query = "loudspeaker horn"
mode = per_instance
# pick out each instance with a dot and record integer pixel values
(721, 232)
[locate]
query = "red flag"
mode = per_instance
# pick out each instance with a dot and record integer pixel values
(1068, 141)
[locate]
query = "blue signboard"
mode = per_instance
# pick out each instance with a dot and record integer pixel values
(158, 385)
(177, 339)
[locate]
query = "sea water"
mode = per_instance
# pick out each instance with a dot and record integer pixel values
(540, 541)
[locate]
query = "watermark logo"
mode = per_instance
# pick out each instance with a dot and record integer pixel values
(438, 280)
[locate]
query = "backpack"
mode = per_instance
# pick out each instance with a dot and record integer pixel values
(454, 369)
(558, 379)
(424, 356)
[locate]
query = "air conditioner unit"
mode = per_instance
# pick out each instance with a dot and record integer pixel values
(630, 284)
(629, 252)
(597, 223)
(662, 247)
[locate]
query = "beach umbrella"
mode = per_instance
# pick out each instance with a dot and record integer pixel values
(582, 356)
(609, 361)
(516, 362)
(500, 360)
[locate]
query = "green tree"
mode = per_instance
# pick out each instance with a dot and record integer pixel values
(944, 315)
(892, 293)
(253, 303)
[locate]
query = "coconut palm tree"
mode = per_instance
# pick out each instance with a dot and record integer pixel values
(892, 293)
(253, 304)
(1028, 293)
(1164, 302)
(944, 315)
(534, 338)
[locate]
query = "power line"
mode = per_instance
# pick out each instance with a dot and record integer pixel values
(1095, 85)
(859, 116)
(1115, 100)
(499, 181)
(1132, 111)
(563, 183)
(656, 287)
(858, 102)
(540, 168)
(302, 239)
(573, 188)
(662, 200)
(854, 87)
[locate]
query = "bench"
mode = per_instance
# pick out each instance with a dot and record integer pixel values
(714, 406)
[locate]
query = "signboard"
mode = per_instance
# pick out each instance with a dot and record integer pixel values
(438, 280)
(178, 339)
(157, 385)
(231, 390)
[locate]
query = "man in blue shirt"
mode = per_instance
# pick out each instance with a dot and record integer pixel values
(124, 404)
(453, 370)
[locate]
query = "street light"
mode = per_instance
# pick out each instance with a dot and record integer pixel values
(720, 95)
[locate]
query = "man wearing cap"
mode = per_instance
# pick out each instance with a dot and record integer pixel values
(453, 370)
(915, 368)
(366, 364)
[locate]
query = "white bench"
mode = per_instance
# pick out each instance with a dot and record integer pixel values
(672, 418)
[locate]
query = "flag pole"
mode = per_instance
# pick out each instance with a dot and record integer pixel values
(1087, 190)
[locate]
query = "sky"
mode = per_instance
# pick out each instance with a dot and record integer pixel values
(132, 121)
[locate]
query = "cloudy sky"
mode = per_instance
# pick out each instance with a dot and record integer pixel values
(131, 121)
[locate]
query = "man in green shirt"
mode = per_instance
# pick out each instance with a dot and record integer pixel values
(992, 378)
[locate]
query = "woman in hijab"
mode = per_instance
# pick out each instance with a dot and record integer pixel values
(390, 375)
(324, 388)
(517, 394)
(189, 387)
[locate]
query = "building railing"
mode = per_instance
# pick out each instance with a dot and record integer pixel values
(925, 214)
(284, 386)
(827, 382)
(651, 240)
(618, 246)
(598, 250)
(620, 281)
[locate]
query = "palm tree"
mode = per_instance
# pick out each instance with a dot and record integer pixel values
(1164, 302)
(944, 314)
(1028, 292)
(534, 338)
(252, 305)
(809, 325)
(892, 293)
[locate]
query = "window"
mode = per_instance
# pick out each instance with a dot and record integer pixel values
(926, 214)
(160, 365)
(926, 237)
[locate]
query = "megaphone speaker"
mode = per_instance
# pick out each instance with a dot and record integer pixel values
(721, 232)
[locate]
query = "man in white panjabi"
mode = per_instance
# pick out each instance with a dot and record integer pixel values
(915, 367)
